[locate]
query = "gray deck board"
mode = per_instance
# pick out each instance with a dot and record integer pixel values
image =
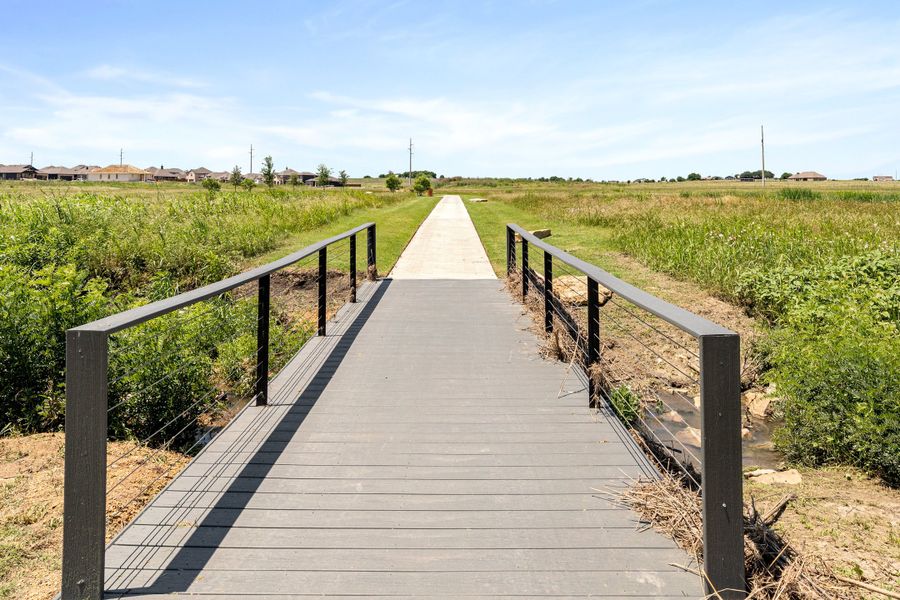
(422, 449)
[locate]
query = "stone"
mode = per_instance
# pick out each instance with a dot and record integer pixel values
(538, 233)
(746, 434)
(477, 200)
(689, 436)
(672, 416)
(789, 477)
(758, 404)
(571, 289)
(758, 472)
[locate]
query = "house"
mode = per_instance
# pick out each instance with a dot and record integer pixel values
(18, 172)
(221, 176)
(882, 177)
(161, 174)
(254, 177)
(56, 173)
(332, 182)
(126, 173)
(80, 172)
(285, 176)
(197, 175)
(807, 176)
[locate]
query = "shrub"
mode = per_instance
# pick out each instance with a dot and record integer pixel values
(842, 396)
(35, 311)
(421, 185)
(626, 404)
(392, 182)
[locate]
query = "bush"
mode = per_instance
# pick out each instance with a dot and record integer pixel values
(35, 311)
(842, 396)
(392, 182)
(626, 404)
(421, 185)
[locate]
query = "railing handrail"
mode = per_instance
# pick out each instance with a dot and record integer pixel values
(685, 320)
(87, 399)
(140, 314)
(720, 399)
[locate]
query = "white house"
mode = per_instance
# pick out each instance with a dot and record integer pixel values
(126, 173)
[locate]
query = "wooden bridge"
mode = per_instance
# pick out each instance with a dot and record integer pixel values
(421, 448)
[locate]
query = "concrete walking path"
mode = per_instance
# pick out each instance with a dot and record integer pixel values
(446, 246)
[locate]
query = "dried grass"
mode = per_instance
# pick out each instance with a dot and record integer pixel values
(773, 568)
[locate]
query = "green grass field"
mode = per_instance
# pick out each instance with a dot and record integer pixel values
(817, 264)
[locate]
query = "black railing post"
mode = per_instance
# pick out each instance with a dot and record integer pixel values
(371, 268)
(84, 495)
(510, 250)
(548, 292)
(593, 334)
(323, 274)
(524, 269)
(262, 341)
(720, 408)
(353, 268)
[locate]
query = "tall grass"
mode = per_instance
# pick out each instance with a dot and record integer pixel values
(66, 259)
(820, 264)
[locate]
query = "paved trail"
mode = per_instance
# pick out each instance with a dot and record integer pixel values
(446, 246)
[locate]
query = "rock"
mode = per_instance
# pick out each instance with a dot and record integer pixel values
(746, 434)
(672, 417)
(697, 400)
(477, 200)
(689, 436)
(571, 289)
(758, 403)
(789, 477)
(758, 472)
(538, 233)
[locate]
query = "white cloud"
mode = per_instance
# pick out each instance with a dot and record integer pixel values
(140, 75)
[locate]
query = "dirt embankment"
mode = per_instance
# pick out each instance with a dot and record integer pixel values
(31, 504)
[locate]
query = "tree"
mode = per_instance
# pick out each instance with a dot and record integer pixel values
(293, 180)
(679, 179)
(323, 175)
(392, 182)
(693, 177)
(756, 174)
(343, 176)
(268, 171)
(211, 185)
(421, 185)
(786, 175)
(248, 184)
(236, 178)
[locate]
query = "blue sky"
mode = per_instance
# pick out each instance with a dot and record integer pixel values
(607, 90)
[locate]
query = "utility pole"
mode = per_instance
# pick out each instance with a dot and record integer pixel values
(251, 158)
(762, 142)
(121, 155)
(31, 161)
(410, 162)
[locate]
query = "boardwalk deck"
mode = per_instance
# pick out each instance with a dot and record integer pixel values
(421, 449)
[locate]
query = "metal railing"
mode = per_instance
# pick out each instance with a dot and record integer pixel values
(651, 362)
(95, 370)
